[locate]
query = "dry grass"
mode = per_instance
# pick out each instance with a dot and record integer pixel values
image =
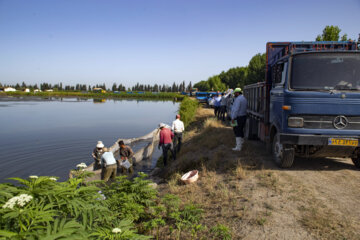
(236, 190)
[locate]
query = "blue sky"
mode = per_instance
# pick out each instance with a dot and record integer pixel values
(152, 41)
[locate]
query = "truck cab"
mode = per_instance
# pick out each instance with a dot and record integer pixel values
(309, 104)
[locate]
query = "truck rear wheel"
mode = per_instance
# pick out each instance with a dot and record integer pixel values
(283, 154)
(356, 161)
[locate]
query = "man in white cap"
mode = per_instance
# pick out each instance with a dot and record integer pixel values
(178, 129)
(96, 154)
(238, 118)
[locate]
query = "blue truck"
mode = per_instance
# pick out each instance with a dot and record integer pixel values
(202, 97)
(309, 103)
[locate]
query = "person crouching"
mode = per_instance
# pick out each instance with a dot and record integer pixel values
(126, 154)
(96, 154)
(109, 166)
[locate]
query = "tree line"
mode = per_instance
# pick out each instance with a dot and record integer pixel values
(115, 87)
(255, 71)
(237, 76)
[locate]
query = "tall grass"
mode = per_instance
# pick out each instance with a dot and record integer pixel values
(187, 110)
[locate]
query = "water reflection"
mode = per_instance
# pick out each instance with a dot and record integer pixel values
(50, 136)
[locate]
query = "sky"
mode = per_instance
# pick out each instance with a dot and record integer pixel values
(152, 41)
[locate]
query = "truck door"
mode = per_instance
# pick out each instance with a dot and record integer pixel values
(279, 75)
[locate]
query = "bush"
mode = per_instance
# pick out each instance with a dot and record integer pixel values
(187, 110)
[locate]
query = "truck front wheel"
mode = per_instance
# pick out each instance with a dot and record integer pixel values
(283, 154)
(356, 161)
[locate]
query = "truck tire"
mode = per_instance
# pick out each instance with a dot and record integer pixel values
(356, 161)
(283, 154)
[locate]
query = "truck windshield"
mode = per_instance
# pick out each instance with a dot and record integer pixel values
(326, 71)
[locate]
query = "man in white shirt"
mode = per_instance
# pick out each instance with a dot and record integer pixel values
(109, 166)
(238, 115)
(178, 129)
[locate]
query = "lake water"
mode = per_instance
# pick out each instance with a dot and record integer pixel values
(51, 136)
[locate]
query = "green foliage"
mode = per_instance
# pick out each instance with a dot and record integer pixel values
(202, 86)
(216, 84)
(256, 69)
(42, 208)
(237, 77)
(187, 110)
(124, 231)
(331, 33)
(234, 77)
(221, 231)
(129, 199)
(213, 83)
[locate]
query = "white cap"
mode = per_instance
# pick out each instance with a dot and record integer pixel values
(161, 125)
(100, 144)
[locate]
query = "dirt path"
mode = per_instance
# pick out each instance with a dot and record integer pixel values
(248, 193)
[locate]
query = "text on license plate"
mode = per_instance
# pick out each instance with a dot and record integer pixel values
(343, 142)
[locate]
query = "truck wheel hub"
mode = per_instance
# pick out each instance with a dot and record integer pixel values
(278, 149)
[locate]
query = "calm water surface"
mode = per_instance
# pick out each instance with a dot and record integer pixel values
(50, 136)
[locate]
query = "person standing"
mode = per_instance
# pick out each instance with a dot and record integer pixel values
(109, 166)
(238, 118)
(126, 153)
(223, 106)
(178, 129)
(217, 105)
(166, 136)
(96, 154)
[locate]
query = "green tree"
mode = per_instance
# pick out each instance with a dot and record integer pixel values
(202, 85)
(234, 77)
(256, 69)
(331, 33)
(216, 84)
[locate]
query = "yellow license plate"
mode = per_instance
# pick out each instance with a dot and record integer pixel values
(343, 142)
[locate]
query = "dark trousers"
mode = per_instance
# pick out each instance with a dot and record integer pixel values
(216, 110)
(165, 149)
(222, 112)
(97, 165)
(177, 141)
(239, 129)
(109, 171)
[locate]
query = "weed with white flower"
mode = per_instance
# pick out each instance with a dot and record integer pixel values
(20, 201)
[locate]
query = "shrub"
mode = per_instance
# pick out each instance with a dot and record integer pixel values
(187, 110)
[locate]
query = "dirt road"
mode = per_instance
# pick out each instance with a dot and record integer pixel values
(248, 193)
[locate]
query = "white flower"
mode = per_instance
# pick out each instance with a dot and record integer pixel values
(19, 200)
(33, 176)
(81, 165)
(53, 179)
(116, 230)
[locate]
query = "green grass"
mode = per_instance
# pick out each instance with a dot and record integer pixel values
(121, 95)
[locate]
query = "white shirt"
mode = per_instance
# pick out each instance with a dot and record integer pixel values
(238, 108)
(177, 126)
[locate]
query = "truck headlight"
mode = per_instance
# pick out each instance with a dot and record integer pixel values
(295, 122)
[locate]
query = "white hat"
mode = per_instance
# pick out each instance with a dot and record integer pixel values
(100, 144)
(161, 125)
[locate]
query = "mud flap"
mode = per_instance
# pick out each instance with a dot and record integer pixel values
(288, 157)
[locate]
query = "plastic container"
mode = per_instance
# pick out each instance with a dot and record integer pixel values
(190, 177)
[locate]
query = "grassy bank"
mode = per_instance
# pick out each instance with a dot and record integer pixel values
(244, 195)
(121, 95)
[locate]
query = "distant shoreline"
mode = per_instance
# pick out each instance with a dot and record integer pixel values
(121, 95)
